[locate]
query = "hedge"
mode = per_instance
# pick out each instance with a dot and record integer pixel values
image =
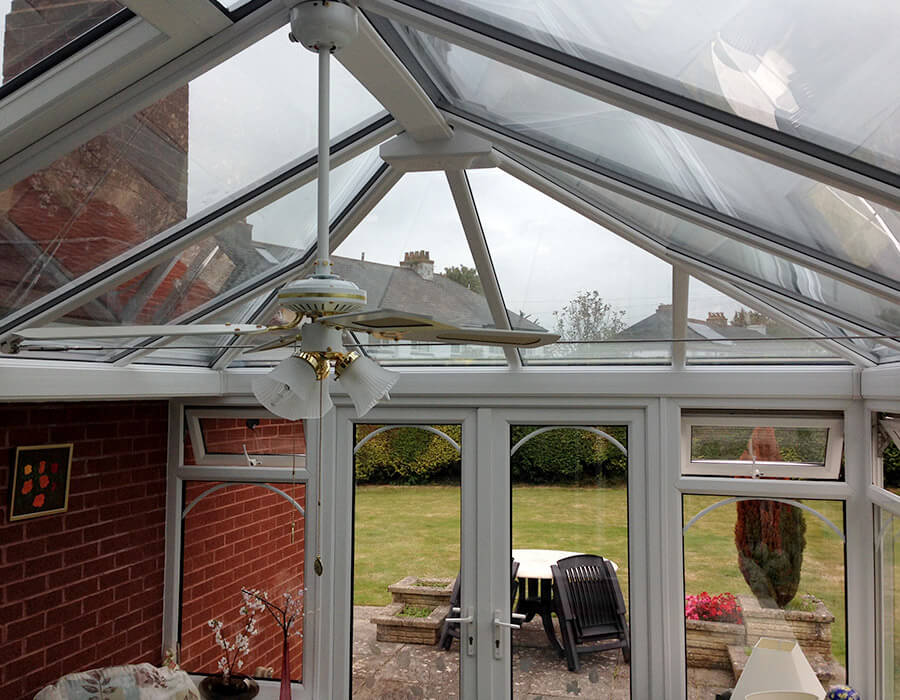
(409, 455)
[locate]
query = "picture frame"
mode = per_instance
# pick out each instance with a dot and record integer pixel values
(40, 481)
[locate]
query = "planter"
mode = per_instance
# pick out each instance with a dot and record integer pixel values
(706, 643)
(811, 629)
(239, 688)
(421, 590)
(391, 627)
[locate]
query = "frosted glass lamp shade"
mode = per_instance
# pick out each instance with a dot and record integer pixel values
(291, 390)
(366, 382)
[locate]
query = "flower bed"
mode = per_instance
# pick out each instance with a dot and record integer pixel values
(711, 625)
(811, 628)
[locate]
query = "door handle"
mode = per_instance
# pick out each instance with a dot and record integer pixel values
(467, 635)
(499, 626)
(456, 611)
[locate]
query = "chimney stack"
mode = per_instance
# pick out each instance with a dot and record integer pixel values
(716, 319)
(420, 262)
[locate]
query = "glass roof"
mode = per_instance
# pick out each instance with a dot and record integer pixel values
(790, 65)
(411, 254)
(170, 161)
(568, 275)
(741, 334)
(828, 222)
(786, 257)
(32, 30)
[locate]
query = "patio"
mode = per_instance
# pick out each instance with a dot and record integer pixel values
(391, 671)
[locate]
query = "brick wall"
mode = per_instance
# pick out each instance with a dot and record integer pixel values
(238, 537)
(83, 588)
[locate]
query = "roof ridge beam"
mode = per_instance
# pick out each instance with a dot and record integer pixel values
(373, 63)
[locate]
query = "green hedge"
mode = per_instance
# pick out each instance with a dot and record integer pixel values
(410, 455)
(568, 455)
(407, 456)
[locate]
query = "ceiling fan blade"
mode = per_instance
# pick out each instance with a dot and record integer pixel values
(388, 321)
(103, 332)
(274, 345)
(482, 336)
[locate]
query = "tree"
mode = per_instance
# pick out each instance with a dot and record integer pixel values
(465, 276)
(588, 317)
(770, 536)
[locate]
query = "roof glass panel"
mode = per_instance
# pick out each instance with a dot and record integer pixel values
(865, 343)
(411, 254)
(737, 333)
(811, 69)
(568, 275)
(801, 212)
(201, 143)
(782, 276)
(33, 29)
(236, 256)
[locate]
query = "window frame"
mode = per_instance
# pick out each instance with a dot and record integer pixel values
(737, 468)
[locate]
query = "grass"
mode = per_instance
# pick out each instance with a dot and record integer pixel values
(414, 530)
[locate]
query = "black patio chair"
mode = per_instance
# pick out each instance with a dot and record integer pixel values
(450, 630)
(590, 607)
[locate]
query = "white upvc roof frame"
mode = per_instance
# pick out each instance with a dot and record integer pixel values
(830, 469)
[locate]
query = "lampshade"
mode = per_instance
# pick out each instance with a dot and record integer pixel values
(365, 381)
(291, 390)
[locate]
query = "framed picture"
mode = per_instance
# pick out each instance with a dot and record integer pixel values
(40, 481)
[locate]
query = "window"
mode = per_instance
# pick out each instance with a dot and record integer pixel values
(761, 445)
(243, 437)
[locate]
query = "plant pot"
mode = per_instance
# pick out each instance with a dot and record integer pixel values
(238, 688)
(392, 627)
(707, 642)
(422, 590)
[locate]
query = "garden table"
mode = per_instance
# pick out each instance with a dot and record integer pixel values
(536, 586)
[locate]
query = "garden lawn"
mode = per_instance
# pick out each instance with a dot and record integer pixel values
(414, 530)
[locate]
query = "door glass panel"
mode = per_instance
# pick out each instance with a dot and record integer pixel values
(405, 562)
(762, 568)
(890, 605)
(570, 496)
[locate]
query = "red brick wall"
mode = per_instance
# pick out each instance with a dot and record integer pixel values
(83, 588)
(270, 436)
(239, 536)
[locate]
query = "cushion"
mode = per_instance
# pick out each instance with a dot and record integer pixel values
(133, 682)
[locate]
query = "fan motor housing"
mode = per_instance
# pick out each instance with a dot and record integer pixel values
(323, 24)
(322, 296)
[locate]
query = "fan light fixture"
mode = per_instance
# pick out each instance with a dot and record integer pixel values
(289, 390)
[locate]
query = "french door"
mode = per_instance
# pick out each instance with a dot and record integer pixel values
(491, 512)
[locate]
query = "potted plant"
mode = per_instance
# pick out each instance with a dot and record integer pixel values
(226, 685)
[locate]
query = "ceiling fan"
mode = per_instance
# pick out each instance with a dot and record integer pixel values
(296, 388)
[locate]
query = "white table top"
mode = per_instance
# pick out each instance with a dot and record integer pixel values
(535, 563)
